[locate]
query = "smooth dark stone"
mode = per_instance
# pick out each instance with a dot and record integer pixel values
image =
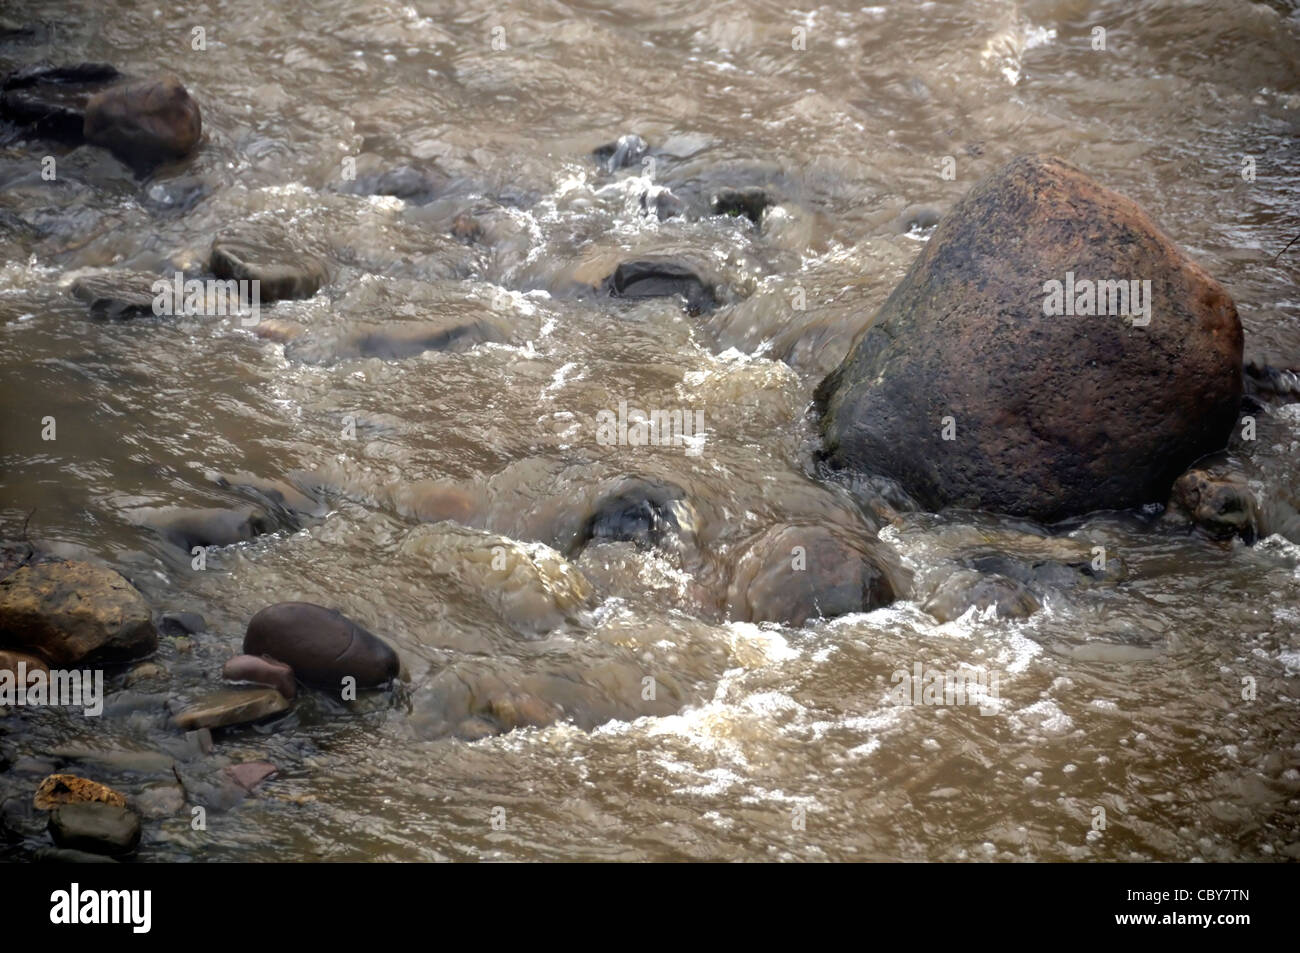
(183, 623)
(95, 827)
(322, 646)
(145, 122)
(643, 512)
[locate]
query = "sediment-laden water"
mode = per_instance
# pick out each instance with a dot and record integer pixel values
(1122, 694)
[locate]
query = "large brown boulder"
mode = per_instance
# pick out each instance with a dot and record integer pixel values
(1052, 414)
(69, 611)
(144, 122)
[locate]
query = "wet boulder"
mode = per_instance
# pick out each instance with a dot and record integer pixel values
(268, 258)
(67, 612)
(145, 122)
(793, 573)
(322, 646)
(1223, 507)
(970, 389)
(653, 278)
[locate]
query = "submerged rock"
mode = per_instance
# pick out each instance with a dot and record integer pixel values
(116, 294)
(70, 789)
(68, 612)
(969, 390)
(967, 589)
(145, 122)
(215, 526)
(226, 708)
(396, 340)
(651, 278)
(1221, 506)
(322, 646)
(182, 623)
(96, 828)
(790, 574)
(251, 773)
(406, 183)
(281, 270)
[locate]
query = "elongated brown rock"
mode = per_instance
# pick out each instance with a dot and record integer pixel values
(322, 646)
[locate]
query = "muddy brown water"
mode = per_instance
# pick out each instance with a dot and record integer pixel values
(762, 742)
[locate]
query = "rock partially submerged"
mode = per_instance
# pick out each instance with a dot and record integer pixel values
(116, 294)
(95, 828)
(268, 258)
(969, 391)
(224, 709)
(145, 122)
(68, 612)
(322, 646)
(653, 278)
(793, 573)
(1222, 506)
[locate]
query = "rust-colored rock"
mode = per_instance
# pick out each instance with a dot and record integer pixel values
(70, 789)
(1047, 415)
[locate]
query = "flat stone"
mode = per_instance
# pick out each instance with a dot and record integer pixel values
(226, 708)
(282, 271)
(116, 294)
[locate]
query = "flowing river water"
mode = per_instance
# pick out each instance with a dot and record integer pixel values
(1119, 730)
